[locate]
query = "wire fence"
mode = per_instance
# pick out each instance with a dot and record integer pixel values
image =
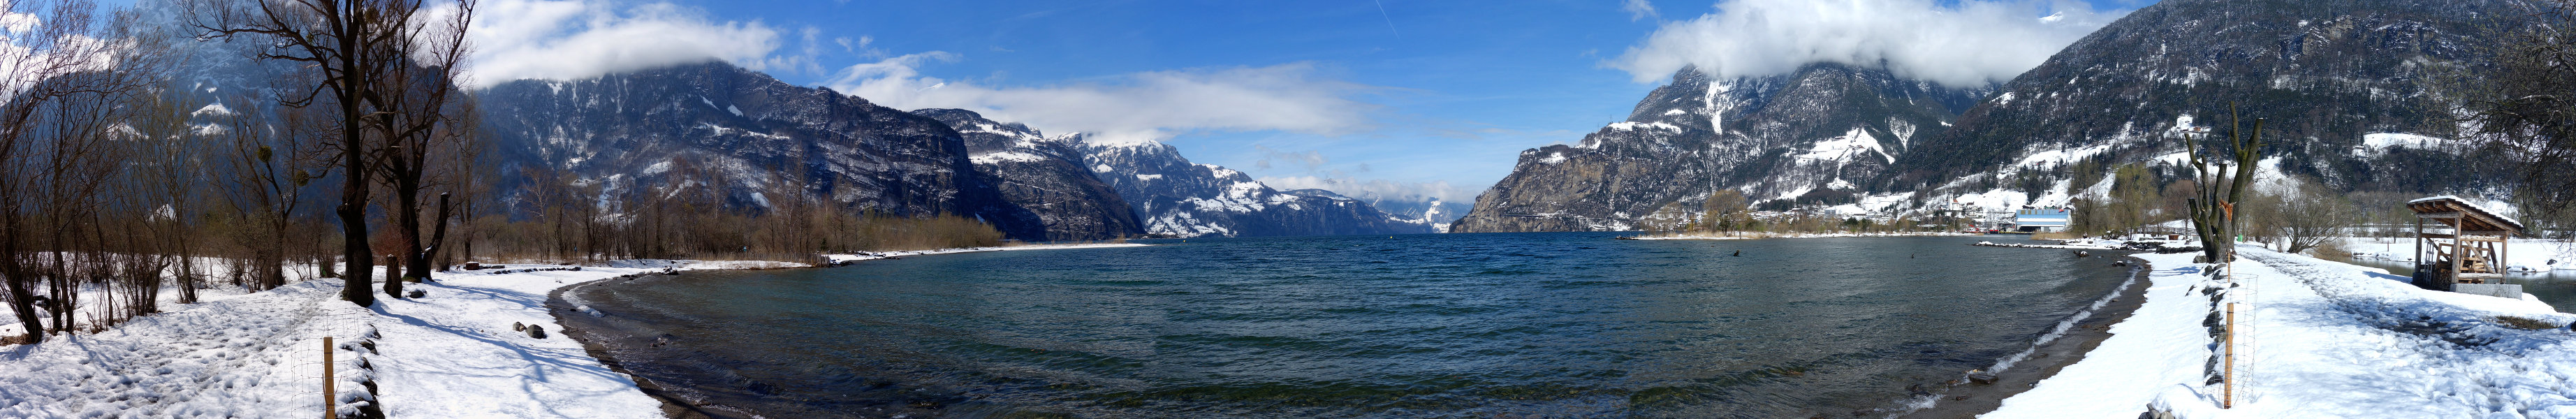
(2240, 337)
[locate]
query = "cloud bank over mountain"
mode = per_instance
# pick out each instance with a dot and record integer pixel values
(1136, 107)
(1970, 43)
(578, 39)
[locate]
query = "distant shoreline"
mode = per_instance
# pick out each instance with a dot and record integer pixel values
(1758, 235)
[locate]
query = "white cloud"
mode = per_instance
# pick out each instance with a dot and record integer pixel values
(1374, 188)
(577, 39)
(1640, 10)
(1136, 107)
(1310, 159)
(1967, 44)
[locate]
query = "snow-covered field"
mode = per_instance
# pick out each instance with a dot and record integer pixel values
(450, 354)
(2327, 339)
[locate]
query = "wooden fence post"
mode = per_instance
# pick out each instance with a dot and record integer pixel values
(329, 403)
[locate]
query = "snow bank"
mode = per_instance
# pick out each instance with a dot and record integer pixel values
(2327, 340)
(453, 354)
(450, 354)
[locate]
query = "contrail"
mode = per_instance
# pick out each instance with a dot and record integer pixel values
(1390, 20)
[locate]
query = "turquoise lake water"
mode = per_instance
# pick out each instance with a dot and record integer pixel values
(1456, 325)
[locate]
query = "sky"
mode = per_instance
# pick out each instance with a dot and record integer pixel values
(1390, 97)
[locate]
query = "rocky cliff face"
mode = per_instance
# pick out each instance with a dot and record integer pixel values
(1176, 197)
(745, 133)
(1816, 136)
(1044, 175)
(2330, 75)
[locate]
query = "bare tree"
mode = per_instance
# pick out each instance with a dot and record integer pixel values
(264, 183)
(1722, 208)
(2309, 214)
(353, 48)
(418, 103)
(171, 176)
(2524, 108)
(63, 59)
(2213, 213)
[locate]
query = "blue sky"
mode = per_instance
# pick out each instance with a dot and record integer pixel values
(1395, 96)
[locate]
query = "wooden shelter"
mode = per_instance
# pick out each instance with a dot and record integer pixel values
(2472, 253)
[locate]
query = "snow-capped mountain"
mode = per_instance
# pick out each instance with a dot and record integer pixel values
(744, 132)
(2348, 86)
(1179, 198)
(1044, 175)
(2351, 88)
(1816, 135)
(1418, 209)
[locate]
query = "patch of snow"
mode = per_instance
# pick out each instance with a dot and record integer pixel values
(1553, 158)
(2379, 143)
(721, 130)
(1003, 156)
(2057, 195)
(212, 109)
(1842, 149)
(2488, 208)
(1220, 171)
(1148, 177)
(1633, 126)
(2041, 159)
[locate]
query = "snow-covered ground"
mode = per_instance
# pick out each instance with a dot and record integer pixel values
(2326, 339)
(450, 354)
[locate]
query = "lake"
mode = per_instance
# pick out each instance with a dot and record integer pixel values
(1450, 325)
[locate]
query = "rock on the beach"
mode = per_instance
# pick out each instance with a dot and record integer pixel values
(1981, 377)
